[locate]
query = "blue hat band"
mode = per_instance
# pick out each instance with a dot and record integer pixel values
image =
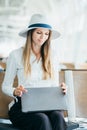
(40, 25)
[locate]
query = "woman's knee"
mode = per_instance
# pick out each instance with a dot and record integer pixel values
(58, 121)
(44, 121)
(57, 115)
(42, 117)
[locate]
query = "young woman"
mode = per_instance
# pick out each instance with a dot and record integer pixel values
(34, 65)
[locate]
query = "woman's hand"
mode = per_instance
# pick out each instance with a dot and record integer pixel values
(64, 88)
(19, 91)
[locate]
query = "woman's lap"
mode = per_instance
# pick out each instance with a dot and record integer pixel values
(35, 119)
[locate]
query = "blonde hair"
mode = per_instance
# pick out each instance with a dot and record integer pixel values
(45, 54)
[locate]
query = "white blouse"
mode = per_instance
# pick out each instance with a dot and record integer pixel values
(15, 67)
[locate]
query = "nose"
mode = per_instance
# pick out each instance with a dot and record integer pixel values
(42, 36)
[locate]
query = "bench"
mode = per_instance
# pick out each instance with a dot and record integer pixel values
(80, 91)
(5, 123)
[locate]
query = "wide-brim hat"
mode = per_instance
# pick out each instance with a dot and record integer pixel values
(39, 21)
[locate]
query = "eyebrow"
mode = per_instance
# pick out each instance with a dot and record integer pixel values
(42, 30)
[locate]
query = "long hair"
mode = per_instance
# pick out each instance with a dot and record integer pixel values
(45, 54)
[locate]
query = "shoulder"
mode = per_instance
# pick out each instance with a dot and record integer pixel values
(17, 53)
(15, 56)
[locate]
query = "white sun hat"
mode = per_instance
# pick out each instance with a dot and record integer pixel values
(39, 21)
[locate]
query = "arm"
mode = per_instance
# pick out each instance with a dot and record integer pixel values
(11, 69)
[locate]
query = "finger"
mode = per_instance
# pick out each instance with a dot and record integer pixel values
(23, 89)
(62, 84)
(64, 90)
(63, 87)
(19, 93)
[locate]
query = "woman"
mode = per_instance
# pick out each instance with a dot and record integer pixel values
(34, 66)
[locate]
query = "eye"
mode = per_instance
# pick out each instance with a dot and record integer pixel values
(38, 32)
(47, 34)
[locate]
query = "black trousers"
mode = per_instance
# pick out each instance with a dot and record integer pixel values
(49, 120)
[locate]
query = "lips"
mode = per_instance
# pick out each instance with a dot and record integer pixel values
(41, 41)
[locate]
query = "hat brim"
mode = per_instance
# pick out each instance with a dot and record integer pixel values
(55, 34)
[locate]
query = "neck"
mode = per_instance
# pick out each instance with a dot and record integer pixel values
(36, 50)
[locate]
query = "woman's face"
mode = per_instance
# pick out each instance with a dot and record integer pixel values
(39, 36)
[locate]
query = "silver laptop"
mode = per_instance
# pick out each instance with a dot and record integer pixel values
(43, 99)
